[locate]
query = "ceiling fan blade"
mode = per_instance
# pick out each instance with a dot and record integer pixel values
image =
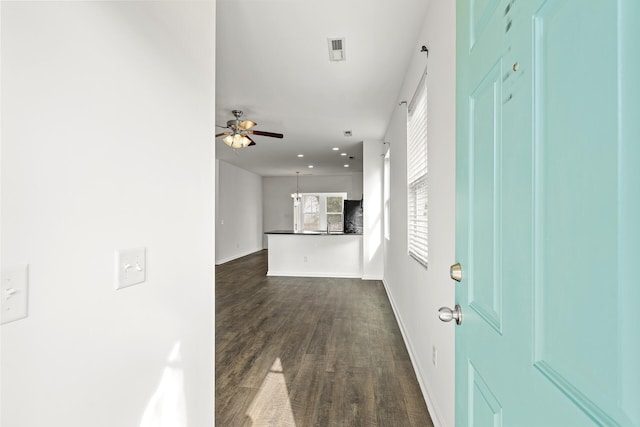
(252, 141)
(261, 133)
(223, 133)
(247, 124)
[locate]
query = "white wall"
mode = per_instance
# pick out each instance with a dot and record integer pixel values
(372, 250)
(238, 212)
(417, 293)
(107, 114)
(357, 187)
(277, 190)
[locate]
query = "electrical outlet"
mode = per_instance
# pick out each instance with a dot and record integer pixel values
(14, 285)
(434, 356)
(131, 267)
(306, 259)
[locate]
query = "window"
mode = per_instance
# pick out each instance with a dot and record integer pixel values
(311, 212)
(319, 211)
(387, 195)
(417, 223)
(335, 205)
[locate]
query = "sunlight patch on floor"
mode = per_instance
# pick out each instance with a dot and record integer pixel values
(271, 406)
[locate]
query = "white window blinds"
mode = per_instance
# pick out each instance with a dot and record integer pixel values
(417, 223)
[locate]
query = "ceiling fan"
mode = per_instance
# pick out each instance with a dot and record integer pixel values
(238, 134)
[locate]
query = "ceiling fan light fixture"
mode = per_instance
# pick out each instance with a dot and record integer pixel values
(237, 141)
(241, 141)
(237, 136)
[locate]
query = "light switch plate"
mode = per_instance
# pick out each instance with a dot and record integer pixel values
(14, 293)
(131, 267)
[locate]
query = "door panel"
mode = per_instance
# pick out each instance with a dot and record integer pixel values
(576, 236)
(485, 139)
(547, 202)
(484, 406)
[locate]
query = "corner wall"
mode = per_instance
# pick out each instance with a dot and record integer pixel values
(238, 212)
(416, 293)
(372, 248)
(107, 124)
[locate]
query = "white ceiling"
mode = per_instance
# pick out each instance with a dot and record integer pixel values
(272, 62)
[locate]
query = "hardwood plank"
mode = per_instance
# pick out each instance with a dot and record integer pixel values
(306, 390)
(416, 408)
(353, 401)
(271, 406)
(322, 415)
(390, 403)
(234, 412)
(322, 330)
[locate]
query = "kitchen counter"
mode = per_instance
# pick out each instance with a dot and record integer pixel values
(312, 232)
(295, 254)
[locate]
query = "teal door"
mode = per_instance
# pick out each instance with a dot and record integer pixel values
(548, 213)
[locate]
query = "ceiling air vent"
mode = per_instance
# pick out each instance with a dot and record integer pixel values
(336, 50)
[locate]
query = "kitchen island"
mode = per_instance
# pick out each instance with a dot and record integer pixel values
(314, 254)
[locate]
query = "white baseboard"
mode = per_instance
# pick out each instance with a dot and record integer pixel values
(313, 274)
(236, 256)
(371, 277)
(435, 417)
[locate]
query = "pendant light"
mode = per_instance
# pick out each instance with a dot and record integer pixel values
(297, 196)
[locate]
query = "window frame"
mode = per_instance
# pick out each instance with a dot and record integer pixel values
(341, 213)
(304, 212)
(387, 194)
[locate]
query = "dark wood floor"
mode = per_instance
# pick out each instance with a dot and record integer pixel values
(309, 352)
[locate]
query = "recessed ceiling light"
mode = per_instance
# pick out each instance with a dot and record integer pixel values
(310, 166)
(300, 155)
(335, 149)
(343, 154)
(346, 166)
